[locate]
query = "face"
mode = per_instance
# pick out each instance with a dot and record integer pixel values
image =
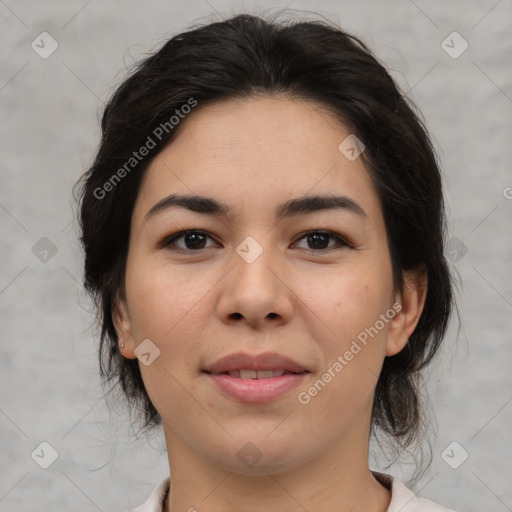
(313, 284)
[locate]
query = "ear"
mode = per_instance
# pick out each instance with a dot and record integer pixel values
(122, 323)
(412, 301)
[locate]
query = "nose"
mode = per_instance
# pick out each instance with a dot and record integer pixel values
(256, 291)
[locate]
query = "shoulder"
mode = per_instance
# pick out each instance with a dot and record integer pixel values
(156, 499)
(404, 500)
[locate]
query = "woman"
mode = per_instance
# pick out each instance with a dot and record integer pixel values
(263, 228)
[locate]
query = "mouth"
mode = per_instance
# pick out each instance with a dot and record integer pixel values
(255, 379)
(249, 374)
(256, 366)
(256, 386)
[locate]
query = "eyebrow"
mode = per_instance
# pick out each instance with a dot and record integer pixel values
(290, 208)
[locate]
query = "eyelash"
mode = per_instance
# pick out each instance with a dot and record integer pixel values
(170, 240)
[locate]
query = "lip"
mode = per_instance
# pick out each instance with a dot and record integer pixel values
(255, 390)
(264, 361)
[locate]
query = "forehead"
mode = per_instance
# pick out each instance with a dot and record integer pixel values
(255, 152)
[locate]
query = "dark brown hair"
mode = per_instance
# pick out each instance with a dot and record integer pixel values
(311, 60)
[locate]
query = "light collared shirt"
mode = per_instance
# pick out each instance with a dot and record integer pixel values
(402, 498)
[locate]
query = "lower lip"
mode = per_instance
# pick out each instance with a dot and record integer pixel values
(257, 390)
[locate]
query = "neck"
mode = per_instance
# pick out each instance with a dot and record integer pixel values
(337, 480)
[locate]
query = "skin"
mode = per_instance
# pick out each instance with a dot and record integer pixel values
(200, 305)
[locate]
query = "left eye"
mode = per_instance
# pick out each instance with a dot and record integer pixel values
(195, 240)
(319, 239)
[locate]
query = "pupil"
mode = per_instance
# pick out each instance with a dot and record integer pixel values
(194, 239)
(316, 238)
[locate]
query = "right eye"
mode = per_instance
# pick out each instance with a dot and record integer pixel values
(194, 240)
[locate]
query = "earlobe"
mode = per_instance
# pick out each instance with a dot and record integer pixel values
(412, 302)
(122, 324)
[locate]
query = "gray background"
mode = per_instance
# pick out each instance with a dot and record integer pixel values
(50, 387)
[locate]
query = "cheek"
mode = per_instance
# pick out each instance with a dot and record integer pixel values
(352, 334)
(352, 299)
(164, 298)
(167, 307)
(353, 350)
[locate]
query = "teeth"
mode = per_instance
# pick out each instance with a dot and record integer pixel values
(256, 374)
(265, 374)
(248, 374)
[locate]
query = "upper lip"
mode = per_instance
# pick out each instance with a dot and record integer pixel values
(244, 361)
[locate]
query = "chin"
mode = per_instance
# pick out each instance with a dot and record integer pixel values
(261, 457)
